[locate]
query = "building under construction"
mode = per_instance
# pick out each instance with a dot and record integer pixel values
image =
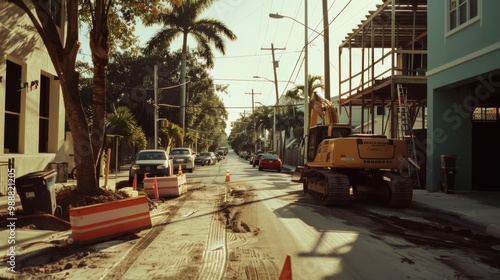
(382, 66)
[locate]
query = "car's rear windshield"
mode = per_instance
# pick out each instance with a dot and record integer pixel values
(270, 156)
(179, 152)
(151, 155)
(205, 154)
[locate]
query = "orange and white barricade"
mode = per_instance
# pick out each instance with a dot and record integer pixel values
(102, 221)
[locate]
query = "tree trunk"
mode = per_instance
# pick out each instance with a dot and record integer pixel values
(99, 49)
(83, 151)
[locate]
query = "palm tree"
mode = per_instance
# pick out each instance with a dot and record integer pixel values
(291, 120)
(291, 123)
(170, 134)
(122, 122)
(263, 117)
(182, 21)
(296, 93)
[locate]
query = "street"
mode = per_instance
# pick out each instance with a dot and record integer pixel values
(245, 229)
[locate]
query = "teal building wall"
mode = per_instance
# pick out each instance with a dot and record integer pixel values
(461, 64)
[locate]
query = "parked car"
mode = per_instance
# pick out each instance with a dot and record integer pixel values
(256, 158)
(220, 155)
(251, 158)
(151, 162)
(183, 157)
(243, 154)
(206, 158)
(270, 161)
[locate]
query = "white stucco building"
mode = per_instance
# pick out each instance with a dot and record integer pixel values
(32, 117)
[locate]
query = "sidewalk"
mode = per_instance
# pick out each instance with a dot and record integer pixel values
(479, 211)
(29, 242)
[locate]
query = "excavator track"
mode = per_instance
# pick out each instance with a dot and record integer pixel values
(333, 188)
(400, 190)
(328, 186)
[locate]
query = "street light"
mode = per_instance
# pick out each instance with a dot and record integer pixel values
(259, 77)
(306, 75)
(278, 16)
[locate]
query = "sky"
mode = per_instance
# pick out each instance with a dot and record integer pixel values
(250, 55)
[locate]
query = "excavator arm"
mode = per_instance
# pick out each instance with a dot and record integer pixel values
(322, 108)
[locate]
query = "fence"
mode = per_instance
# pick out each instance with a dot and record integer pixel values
(4, 175)
(293, 156)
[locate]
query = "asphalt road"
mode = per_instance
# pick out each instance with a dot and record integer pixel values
(246, 228)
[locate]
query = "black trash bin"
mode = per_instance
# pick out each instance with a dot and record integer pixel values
(62, 171)
(37, 193)
(449, 167)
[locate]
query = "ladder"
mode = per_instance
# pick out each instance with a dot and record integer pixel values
(406, 134)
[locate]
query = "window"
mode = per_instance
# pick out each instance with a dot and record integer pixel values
(12, 107)
(43, 129)
(461, 11)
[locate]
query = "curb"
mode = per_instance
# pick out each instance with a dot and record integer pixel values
(492, 230)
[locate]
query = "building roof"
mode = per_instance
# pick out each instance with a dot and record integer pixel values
(374, 31)
(400, 31)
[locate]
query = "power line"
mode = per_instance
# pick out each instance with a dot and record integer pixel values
(249, 55)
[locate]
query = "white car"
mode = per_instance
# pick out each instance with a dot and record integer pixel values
(183, 157)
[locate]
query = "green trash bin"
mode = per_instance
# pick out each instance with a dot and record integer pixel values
(36, 190)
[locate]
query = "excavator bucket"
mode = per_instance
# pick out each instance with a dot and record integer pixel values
(297, 175)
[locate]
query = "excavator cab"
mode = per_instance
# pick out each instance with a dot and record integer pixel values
(316, 135)
(322, 132)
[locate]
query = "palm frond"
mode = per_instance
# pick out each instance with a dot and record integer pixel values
(184, 20)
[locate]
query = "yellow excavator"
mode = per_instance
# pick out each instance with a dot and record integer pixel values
(341, 165)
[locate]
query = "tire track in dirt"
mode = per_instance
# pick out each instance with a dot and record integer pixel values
(214, 258)
(120, 268)
(245, 259)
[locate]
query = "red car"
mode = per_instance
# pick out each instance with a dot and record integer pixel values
(270, 161)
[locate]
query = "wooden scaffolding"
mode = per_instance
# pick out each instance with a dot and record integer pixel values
(382, 65)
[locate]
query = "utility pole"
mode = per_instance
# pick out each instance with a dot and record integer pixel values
(306, 85)
(275, 65)
(326, 44)
(254, 131)
(252, 93)
(183, 97)
(155, 126)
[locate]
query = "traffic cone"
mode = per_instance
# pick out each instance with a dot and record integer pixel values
(286, 272)
(134, 182)
(155, 188)
(179, 172)
(228, 179)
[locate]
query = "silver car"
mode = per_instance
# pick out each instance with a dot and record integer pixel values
(183, 157)
(151, 162)
(206, 158)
